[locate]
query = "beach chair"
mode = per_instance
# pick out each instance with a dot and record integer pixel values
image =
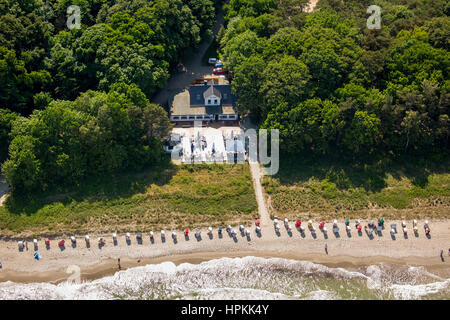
(127, 235)
(61, 243)
(20, 245)
(186, 232)
(394, 227)
(258, 229)
(209, 230)
(174, 235)
(47, 242)
(87, 239)
(72, 238)
(151, 234)
(35, 242)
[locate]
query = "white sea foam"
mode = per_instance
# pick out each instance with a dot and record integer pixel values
(242, 278)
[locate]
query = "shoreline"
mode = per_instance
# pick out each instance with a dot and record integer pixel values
(346, 252)
(109, 267)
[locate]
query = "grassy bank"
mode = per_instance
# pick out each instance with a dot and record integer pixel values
(329, 189)
(167, 197)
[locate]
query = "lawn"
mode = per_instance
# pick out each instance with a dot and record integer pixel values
(329, 189)
(162, 198)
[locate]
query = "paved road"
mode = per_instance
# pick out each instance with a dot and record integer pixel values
(194, 69)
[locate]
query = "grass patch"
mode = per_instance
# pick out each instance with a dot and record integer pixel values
(166, 197)
(330, 189)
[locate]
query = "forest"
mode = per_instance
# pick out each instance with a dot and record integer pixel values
(334, 87)
(77, 102)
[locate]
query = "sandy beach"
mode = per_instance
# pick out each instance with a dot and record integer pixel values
(343, 251)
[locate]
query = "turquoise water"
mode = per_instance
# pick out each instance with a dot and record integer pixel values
(246, 278)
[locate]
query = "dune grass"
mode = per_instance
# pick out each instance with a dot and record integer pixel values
(160, 198)
(329, 189)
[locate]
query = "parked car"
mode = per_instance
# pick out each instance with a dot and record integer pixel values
(212, 60)
(218, 71)
(219, 64)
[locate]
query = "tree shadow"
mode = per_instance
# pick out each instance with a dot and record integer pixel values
(369, 173)
(106, 187)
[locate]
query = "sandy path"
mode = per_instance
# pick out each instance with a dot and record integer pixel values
(262, 209)
(3, 190)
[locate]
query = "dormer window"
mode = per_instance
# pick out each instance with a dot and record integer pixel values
(215, 101)
(198, 96)
(209, 101)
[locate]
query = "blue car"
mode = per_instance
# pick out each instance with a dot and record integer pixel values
(219, 65)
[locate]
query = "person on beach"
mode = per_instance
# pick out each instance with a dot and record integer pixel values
(2, 266)
(442, 255)
(326, 248)
(118, 261)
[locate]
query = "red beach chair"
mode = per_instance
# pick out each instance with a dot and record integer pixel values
(47, 242)
(257, 223)
(298, 224)
(186, 232)
(321, 225)
(61, 243)
(359, 228)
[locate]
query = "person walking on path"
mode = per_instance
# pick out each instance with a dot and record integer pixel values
(442, 255)
(118, 261)
(326, 248)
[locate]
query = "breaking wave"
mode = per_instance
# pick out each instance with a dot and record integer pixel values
(245, 278)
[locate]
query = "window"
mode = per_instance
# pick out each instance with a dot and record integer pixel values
(191, 118)
(215, 101)
(176, 118)
(198, 96)
(225, 96)
(183, 118)
(209, 101)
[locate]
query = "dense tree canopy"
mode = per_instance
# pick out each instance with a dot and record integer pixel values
(74, 103)
(97, 133)
(333, 86)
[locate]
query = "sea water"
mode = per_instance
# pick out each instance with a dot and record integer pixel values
(245, 278)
